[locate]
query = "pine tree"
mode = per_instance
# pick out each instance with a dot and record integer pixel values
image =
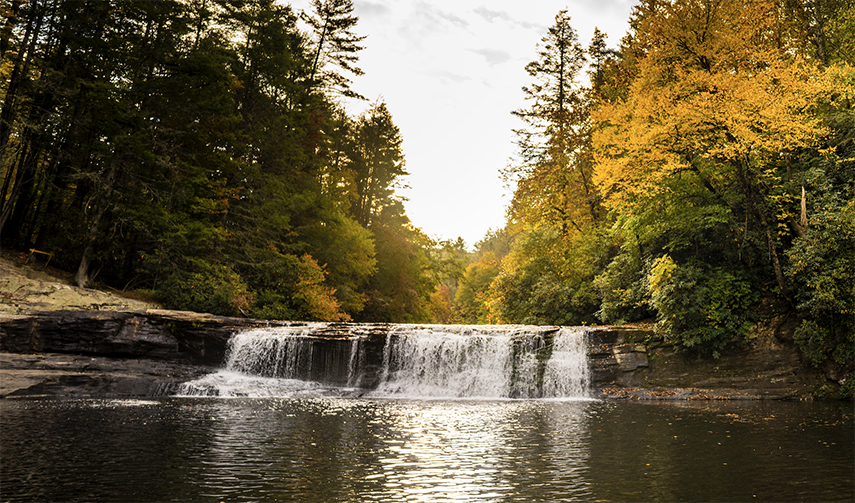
(378, 165)
(334, 45)
(554, 184)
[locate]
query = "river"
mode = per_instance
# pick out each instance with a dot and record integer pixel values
(336, 449)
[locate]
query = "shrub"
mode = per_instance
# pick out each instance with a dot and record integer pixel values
(700, 307)
(207, 288)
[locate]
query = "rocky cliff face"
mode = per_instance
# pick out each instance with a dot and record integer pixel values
(140, 352)
(769, 366)
(119, 353)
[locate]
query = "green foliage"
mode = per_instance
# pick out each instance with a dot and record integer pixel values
(498, 242)
(347, 252)
(470, 303)
(206, 288)
(541, 283)
(400, 290)
(699, 307)
(822, 268)
(335, 44)
(699, 156)
(448, 262)
(821, 263)
(282, 284)
(377, 162)
(623, 288)
(160, 143)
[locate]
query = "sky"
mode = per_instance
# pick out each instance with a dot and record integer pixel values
(451, 72)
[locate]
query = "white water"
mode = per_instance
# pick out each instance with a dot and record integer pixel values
(446, 361)
(567, 373)
(273, 362)
(438, 361)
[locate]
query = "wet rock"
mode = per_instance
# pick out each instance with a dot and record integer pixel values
(156, 334)
(80, 376)
(769, 367)
(631, 361)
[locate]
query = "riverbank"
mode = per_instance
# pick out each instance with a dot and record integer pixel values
(62, 341)
(31, 287)
(145, 352)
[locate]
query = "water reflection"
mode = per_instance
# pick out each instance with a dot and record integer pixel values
(469, 451)
(333, 449)
(394, 450)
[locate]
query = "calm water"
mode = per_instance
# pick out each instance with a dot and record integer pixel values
(350, 449)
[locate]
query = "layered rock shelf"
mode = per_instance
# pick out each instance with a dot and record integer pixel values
(142, 353)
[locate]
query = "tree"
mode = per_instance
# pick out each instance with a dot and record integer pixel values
(700, 160)
(470, 304)
(400, 291)
(377, 162)
(555, 212)
(194, 145)
(553, 181)
(715, 104)
(335, 45)
(821, 261)
(547, 279)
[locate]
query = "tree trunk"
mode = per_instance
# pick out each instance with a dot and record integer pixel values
(19, 75)
(767, 231)
(82, 277)
(11, 20)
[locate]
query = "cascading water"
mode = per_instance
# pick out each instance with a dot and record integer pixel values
(566, 372)
(281, 361)
(435, 361)
(446, 361)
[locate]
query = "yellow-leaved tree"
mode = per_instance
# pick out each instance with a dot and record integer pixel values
(721, 100)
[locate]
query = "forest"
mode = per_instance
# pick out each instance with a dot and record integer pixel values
(700, 175)
(198, 151)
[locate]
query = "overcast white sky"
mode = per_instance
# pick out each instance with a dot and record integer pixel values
(450, 72)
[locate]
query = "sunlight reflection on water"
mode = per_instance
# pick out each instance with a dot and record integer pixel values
(334, 449)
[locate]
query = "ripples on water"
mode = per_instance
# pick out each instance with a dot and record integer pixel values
(346, 449)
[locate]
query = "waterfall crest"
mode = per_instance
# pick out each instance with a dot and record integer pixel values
(410, 361)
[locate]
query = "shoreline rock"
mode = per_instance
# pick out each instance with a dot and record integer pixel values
(60, 375)
(137, 353)
(625, 367)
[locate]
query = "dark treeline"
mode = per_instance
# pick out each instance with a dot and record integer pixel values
(197, 150)
(701, 174)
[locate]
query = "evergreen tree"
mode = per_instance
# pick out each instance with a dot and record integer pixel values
(334, 45)
(377, 161)
(554, 183)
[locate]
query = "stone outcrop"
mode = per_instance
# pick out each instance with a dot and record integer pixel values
(83, 376)
(138, 352)
(119, 353)
(28, 289)
(108, 353)
(769, 366)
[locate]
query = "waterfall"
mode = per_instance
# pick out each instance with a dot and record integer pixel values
(282, 361)
(409, 361)
(438, 361)
(566, 373)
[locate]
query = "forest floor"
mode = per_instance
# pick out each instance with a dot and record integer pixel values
(30, 286)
